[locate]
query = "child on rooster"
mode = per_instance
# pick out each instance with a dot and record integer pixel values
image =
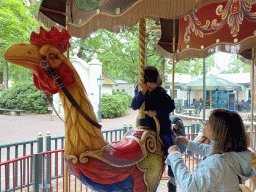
(157, 103)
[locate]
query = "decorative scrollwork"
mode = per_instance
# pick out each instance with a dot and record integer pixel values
(151, 143)
(83, 158)
(74, 158)
(232, 13)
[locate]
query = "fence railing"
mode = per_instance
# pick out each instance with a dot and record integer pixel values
(31, 149)
(52, 143)
(17, 151)
(17, 167)
(54, 179)
(31, 166)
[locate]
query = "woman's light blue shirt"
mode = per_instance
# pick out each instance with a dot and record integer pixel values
(213, 173)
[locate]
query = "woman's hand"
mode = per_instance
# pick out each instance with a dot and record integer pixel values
(173, 148)
(182, 140)
(143, 88)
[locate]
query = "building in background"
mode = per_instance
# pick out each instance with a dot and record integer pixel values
(89, 73)
(108, 84)
(124, 87)
(186, 97)
(241, 79)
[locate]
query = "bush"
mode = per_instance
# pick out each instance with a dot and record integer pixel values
(115, 105)
(24, 96)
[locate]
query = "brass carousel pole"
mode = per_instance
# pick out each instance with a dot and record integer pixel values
(142, 49)
(173, 60)
(252, 97)
(204, 95)
(66, 172)
(252, 100)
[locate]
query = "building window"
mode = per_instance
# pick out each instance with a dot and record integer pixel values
(123, 90)
(117, 90)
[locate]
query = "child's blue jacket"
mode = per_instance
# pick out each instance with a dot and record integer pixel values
(213, 173)
(159, 101)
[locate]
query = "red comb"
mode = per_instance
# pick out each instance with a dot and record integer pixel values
(60, 40)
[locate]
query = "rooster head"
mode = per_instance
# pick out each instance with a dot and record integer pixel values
(49, 47)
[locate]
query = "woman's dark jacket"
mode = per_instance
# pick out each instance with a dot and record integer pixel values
(159, 101)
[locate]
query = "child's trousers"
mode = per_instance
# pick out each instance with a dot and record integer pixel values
(168, 141)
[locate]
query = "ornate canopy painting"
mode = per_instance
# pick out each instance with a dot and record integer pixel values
(218, 27)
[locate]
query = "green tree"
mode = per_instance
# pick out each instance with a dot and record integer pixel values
(33, 7)
(16, 24)
(119, 53)
(236, 65)
(194, 66)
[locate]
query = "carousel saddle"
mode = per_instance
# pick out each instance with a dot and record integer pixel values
(135, 146)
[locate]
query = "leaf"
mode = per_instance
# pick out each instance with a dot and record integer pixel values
(16, 24)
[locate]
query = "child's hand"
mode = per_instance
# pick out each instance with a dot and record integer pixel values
(151, 113)
(173, 148)
(143, 88)
(181, 140)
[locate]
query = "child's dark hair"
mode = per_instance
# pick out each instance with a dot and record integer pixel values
(228, 131)
(152, 75)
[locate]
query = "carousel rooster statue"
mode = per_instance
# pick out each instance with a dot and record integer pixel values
(135, 163)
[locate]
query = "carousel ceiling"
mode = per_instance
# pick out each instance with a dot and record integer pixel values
(227, 27)
(200, 27)
(90, 15)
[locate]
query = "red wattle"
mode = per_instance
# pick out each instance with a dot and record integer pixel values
(45, 83)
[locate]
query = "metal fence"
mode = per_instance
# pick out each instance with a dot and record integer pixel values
(18, 151)
(17, 160)
(33, 168)
(52, 172)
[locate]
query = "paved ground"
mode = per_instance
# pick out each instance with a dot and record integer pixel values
(27, 126)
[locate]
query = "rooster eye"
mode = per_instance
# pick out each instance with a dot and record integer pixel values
(53, 56)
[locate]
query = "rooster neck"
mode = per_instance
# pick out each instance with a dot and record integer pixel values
(80, 135)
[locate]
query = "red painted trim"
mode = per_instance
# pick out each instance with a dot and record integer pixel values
(15, 160)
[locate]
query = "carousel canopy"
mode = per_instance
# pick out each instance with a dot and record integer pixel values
(218, 27)
(113, 15)
(200, 27)
(212, 83)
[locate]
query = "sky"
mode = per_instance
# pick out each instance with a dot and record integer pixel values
(222, 60)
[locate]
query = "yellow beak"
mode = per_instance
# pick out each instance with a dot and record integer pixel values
(23, 54)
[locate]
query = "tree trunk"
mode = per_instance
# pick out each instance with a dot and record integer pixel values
(1, 78)
(5, 75)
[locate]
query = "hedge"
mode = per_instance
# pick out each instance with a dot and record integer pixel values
(24, 96)
(115, 105)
